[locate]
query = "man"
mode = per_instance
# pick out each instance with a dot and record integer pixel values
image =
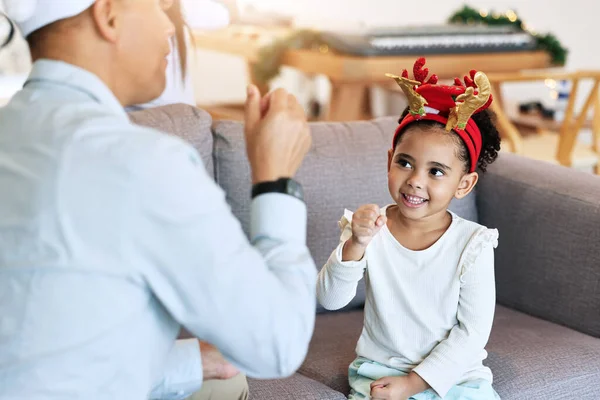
(113, 236)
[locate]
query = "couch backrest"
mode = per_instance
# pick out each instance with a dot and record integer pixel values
(345, 168)
(189, 123)
(548, 258)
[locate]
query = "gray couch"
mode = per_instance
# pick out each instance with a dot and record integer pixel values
(545, 340)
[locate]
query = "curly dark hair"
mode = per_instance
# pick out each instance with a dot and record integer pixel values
(490, 136)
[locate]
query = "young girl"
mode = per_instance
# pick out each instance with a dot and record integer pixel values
(429, 273)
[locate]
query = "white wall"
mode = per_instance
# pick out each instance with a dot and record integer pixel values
(574, 22)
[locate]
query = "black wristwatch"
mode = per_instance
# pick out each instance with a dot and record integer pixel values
(282, 185)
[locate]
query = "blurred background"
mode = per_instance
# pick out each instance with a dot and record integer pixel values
(326, 78)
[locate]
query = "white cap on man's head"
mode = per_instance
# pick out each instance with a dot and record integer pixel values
(31, 15)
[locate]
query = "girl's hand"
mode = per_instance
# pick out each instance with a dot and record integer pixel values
(398, 387)
(366, 222)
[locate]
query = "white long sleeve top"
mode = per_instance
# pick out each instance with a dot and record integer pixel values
(430, 311)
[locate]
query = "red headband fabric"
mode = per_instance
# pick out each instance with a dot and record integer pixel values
(471, 135)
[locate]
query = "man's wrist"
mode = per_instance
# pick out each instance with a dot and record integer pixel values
(265, 177)
(266, 173)
(286, 186)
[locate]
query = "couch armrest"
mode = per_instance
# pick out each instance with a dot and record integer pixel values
(548, 258)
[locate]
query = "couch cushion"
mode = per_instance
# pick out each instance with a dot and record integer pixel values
(187, 122)
(332, 348)
(345, 168)
(530, 358)
(296, 387)
(535, 359)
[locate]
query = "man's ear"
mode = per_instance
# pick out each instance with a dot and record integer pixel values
(466, 184)
(105, 14)
(390, 156)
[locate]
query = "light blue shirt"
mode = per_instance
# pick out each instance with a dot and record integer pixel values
(113, 236)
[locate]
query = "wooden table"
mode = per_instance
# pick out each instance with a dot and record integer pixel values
(352, 76)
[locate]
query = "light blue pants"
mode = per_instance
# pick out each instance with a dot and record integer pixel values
(362, 372)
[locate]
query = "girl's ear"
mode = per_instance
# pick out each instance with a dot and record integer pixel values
(390, 156)
(466, 185)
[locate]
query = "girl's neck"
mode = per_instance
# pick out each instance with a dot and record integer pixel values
(436, 222)
(418, 234)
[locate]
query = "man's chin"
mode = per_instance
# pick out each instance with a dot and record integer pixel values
(146, 96)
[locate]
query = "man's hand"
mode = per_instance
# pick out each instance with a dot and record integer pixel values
(398, 387)
(366, 222)
(214, 366)
(277, 134)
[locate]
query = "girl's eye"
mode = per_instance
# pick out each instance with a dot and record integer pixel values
(404, 163)
(437, 172)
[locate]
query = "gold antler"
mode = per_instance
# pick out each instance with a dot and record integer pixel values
(416, 102)
(460, 114)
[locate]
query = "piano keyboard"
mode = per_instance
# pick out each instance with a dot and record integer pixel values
(421, 41)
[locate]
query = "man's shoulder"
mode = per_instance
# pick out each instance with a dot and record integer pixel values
(89, 131)
(124, 138)
(72, 118)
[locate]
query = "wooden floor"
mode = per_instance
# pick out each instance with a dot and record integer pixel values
(543, 146)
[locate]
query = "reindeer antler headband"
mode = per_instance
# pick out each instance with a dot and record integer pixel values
(450, 105)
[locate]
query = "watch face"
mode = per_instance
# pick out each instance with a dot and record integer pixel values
(294, 189)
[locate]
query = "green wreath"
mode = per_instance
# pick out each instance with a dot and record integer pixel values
(269, 57)
(547, 42)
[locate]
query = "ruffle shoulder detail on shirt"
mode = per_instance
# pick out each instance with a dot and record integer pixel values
(482, 238)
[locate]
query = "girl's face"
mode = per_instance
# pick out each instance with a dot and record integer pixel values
(425, 173)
